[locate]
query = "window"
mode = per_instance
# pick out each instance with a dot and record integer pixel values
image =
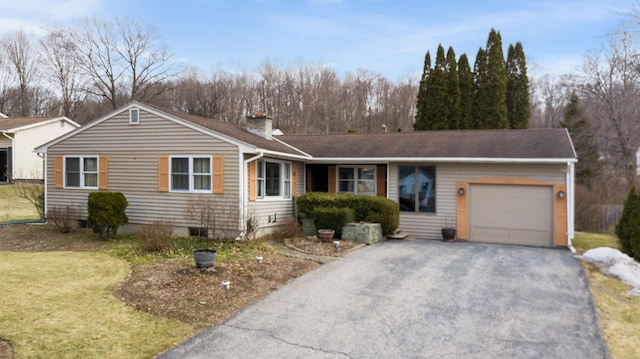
(81, 172)
(134, 116)
(273, 179)
(417, 188)
(359, 180)
(191, 174)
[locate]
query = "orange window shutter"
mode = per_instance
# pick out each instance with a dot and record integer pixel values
(381, 181)
(332, 179)
(58, 172)
(163, 174)
(294, 179)
(252, 180)
(103, 175)
(218, 174)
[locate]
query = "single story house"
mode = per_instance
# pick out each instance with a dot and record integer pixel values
(497, 186)
(19, 136)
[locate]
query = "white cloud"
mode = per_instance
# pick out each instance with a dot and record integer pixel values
(33, 15)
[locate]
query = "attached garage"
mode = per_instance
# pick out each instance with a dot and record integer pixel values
(511, 214)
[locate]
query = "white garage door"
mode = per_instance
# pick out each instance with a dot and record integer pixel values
(511, 214)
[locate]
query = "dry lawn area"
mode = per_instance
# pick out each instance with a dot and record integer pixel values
(619, 312)
(59, 304)
(14, 208)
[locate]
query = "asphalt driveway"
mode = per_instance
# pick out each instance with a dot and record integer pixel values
(419, 299)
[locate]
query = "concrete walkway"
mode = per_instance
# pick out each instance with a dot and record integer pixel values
(419, 299)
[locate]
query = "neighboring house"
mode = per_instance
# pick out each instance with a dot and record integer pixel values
(19, 136)
(498, 186)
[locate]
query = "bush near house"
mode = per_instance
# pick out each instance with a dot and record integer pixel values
(107, 212)
(366, 208)
(332, 218)
(628, 228)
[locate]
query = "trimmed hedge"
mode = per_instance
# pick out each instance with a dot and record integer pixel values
(366, 208)
(107, 212)
(332, 218)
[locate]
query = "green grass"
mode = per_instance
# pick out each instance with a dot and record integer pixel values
(14, 208)
(619, 312)
(584, 241)
(60, 305)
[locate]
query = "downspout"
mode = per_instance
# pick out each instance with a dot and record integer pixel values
(13, 151)
(245, 193)
(44, 176)
(571, 205)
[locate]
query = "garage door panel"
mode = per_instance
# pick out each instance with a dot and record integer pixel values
(515, 214)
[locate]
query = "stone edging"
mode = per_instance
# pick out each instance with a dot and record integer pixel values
(323, 255)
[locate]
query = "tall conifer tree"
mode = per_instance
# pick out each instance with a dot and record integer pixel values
(576, 121)
(465, 77)
(495, 95)
(453, 91)
(482, 115)
(420, 122)
(518, 109)
(437, 106)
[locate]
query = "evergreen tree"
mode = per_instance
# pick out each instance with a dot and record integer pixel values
(421, 102)
(518, 110)
(482, 115)
(628, 228)
(453, 90)
(437, 107)
(577, 123)
(495, 91)
(465, 78)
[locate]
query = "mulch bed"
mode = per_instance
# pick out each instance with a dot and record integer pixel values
(313, 245)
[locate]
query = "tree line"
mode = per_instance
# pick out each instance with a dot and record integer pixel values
(494, 95)
(88, 69)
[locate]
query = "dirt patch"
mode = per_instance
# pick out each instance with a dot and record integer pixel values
(176, 288)
(6, 350)
(313, 245)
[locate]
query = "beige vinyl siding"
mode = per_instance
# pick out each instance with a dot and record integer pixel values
(265, 210)
(428, 225)
(133, 152)
(28, 165)
(4, 141)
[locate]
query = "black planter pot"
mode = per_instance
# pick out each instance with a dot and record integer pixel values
(448, 234)
(204, 258)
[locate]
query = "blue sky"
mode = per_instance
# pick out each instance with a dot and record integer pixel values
(384, 36)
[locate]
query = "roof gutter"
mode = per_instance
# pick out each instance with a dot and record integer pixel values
(443, 159)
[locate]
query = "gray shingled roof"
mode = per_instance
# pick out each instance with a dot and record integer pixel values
(15, 122)
(231, 130)
(508, 144)
(521, 144)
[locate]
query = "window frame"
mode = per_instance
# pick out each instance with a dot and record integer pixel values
(416, 192)
(137, 116)
(284, 180)
(356, 179)
(82, 173)
(191, 174)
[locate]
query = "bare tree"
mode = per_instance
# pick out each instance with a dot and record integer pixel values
(61, 62)
(124, 61)
(611, 88)
(21, 55)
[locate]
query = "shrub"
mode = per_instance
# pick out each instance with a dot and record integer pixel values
(107, 212)
(366, 208)
(65, 219)
(628, 228)
(156, 236)
(290, 229)
(332, 218)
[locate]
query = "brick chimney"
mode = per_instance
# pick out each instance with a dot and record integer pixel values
(259, 124)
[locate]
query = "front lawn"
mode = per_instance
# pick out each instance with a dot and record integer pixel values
(619, 312)
(59, 304)
(14, 208)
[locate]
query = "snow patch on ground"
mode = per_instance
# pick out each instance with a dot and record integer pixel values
(614, 263)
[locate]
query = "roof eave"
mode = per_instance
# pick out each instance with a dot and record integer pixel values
(442, 160)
